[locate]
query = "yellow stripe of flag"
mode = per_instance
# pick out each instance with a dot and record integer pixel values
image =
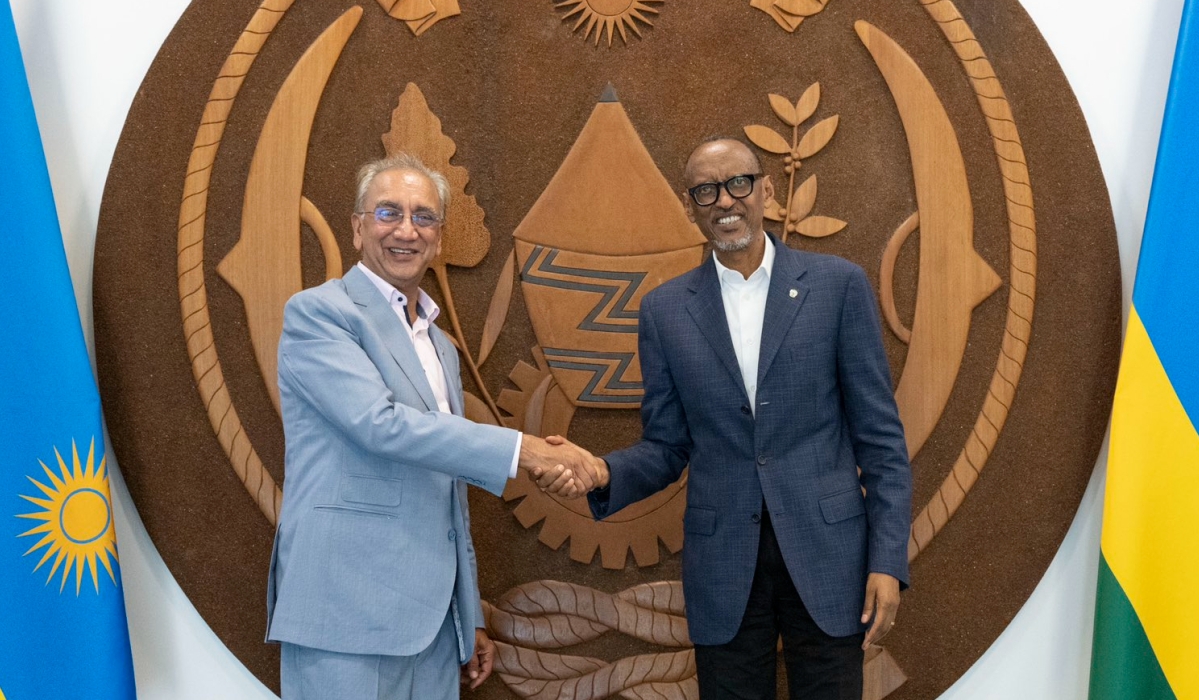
(1151, 509)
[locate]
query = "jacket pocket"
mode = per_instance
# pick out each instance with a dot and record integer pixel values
(371, 490)
(842, 505)
(699, 520)
(355, 511)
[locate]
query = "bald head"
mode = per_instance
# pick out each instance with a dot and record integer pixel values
(723, 146)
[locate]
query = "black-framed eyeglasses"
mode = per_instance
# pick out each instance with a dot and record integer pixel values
(392, 218)
(705, 194)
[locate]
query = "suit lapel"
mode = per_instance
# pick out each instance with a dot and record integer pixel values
(390, 328)
(707, 308)
(783, 300)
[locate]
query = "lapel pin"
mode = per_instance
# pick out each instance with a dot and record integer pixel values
(794, 293)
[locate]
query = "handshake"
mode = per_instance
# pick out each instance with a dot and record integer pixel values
(560, 467)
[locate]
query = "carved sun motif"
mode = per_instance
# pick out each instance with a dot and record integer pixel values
(604, 15)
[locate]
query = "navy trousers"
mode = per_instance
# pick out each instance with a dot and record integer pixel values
(819, 667)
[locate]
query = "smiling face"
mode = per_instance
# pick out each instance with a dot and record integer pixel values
(399, 254)
(732, 225)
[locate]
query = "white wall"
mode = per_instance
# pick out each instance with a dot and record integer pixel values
(85, 61)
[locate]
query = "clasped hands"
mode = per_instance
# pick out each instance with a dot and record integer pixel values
(560, 467)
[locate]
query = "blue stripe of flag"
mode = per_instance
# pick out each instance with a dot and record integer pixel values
(54, 643)
(1166, 294)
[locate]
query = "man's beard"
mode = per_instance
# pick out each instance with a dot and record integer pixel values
(734, 246)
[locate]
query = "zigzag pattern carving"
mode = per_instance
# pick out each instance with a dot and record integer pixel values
(606, 367)
(612, 314)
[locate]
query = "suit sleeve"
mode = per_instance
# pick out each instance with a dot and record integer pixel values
(875, 431)
(322, 361)
(658, 459)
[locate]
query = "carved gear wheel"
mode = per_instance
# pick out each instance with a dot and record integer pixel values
(539, 407)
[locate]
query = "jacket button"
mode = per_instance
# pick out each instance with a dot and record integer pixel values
(745, 410)
(453, 535)
(755, 518)
(762, 460)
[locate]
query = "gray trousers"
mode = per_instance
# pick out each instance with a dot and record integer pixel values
(316, 674)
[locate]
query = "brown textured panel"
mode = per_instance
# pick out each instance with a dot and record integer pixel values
(512, 86)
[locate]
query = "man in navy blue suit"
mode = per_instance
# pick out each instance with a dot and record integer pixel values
(764, 371)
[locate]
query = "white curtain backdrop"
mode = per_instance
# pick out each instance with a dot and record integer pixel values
(85, 61)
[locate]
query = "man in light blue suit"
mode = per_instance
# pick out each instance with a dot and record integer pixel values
(764, 370)
(373, 590)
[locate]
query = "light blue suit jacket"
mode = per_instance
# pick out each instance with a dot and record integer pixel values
(825, 408)
(373, 545)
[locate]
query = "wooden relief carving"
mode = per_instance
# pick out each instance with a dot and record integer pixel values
(419, 15)
(541, 407)
(532, 621)
(193, 294)
(604, 16)
(1017, 188)
(789, 13)
(572, 370)
(953, 278)
(264, 266)
(466, 240)
(584, 266)
(800, 200)
(541, 615)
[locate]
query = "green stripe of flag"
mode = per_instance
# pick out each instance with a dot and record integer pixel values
(1123, 665)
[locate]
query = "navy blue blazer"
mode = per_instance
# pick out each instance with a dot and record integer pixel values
(825, 408)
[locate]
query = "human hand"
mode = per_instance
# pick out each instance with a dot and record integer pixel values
(882, 602)
(594, 475)
(559, 465)
(478, 668)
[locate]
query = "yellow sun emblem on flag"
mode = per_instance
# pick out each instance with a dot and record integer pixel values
(76, 519)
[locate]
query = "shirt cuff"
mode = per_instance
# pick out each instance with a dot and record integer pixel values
(515, 456)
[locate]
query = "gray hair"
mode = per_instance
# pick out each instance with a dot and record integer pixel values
(401, 161)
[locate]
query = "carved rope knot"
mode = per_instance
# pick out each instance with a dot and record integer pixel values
(543, 615)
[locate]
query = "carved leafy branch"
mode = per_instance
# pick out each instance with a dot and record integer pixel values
(797, 213)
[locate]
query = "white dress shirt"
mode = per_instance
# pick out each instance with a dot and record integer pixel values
(745, 309)
(427, 312)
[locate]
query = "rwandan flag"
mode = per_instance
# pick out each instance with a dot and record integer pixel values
(63, 632)
(1147, 612)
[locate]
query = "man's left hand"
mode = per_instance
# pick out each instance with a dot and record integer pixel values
(479, 667)
(882, 602)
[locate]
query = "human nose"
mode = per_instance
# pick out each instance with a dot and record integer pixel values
(724, 200)
(404, 228)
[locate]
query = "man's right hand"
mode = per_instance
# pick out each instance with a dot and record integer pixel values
(559, 466)
(571, 483)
